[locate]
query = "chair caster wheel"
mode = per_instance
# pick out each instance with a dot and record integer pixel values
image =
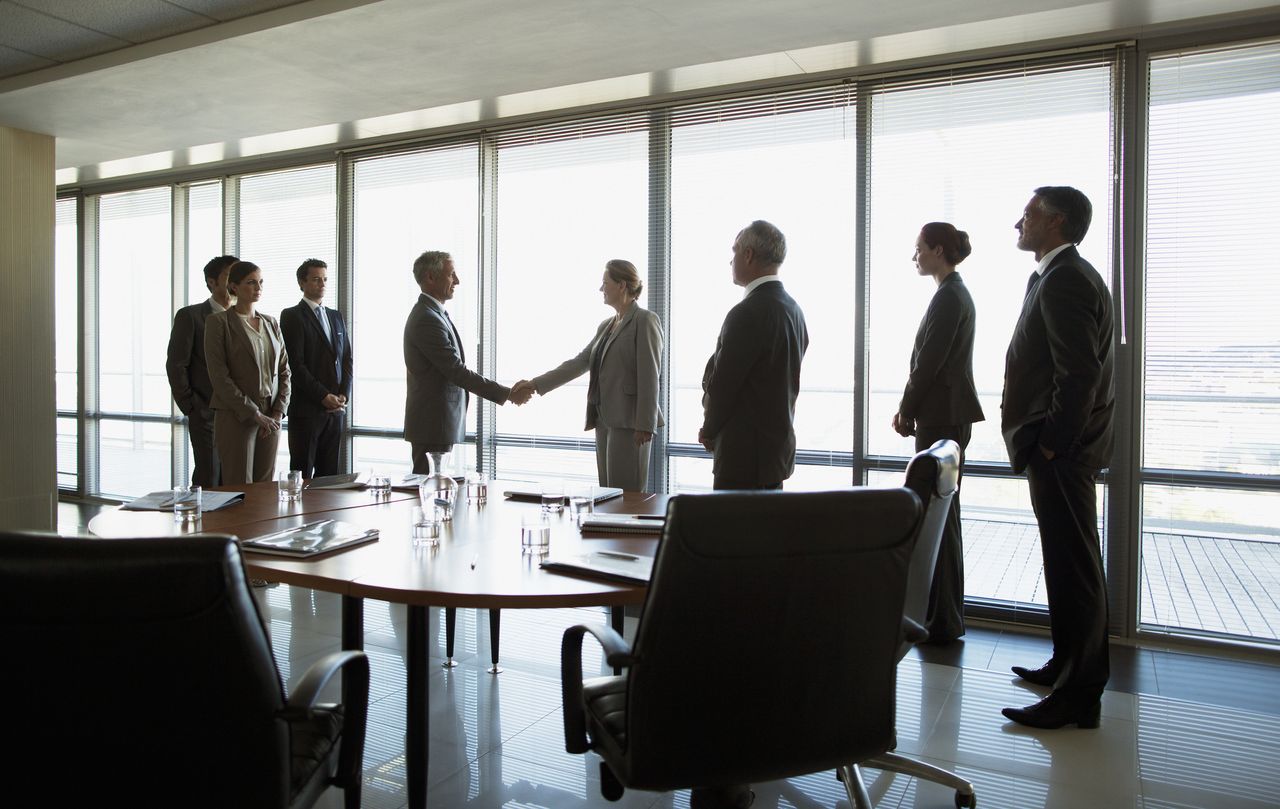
(610, 787)
(969, 801)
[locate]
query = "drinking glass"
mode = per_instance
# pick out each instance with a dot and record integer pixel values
(424, 526)
(477, 487)
(290, 486)
(535, 533)
(582, 501)
(379, 485)
(553, 497)
(186, 504)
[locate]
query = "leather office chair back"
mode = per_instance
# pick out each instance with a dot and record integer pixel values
(933, 475)
(139, 669)
(767, 645)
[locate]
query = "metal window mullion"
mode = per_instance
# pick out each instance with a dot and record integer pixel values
(231, 216)
(487, 299)
(861, 289)
(345, 213)
(89, 457)
(659, 279)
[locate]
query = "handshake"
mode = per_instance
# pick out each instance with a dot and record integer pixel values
(522, 391)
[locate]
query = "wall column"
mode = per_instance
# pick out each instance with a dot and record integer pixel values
(28, 437)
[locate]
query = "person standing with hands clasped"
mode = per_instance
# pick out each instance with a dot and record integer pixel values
(941, 402)
(249, 371)
(1056, 417)
(624, 359)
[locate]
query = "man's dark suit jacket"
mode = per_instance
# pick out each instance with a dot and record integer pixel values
(750, 387)
(184, 362)
(940, 389)
(313, 360)
(1058, 379)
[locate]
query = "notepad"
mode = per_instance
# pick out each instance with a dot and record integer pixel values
(611, 565)
(623, 524)
(351, 480)
(311, 539)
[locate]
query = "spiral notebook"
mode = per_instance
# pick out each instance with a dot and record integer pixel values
(623, 524)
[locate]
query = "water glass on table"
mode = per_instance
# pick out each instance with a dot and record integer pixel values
(424, 526)
(379, 485)
(535, 533)
(582, 501)
(290, 486)
(187, 504)
(477, 484)
(553, 497)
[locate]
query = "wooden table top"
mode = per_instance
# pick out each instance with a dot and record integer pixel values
(478, 563)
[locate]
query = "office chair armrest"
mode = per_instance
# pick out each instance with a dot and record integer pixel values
(913, 632)
(617, 653)
(354, 666)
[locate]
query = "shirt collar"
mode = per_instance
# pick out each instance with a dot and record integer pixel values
(217, 307)
(1049, 257)
(439, 302)
(762, 280)
(312, 305)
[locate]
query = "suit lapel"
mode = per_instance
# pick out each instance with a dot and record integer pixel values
(626, 321)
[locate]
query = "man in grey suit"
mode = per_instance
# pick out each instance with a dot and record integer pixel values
(751, 382)
(189, 376)
(1056, 416)
(440, 384)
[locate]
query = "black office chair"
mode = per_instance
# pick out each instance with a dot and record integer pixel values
(767, 646)
(933, 475)
(138, 672)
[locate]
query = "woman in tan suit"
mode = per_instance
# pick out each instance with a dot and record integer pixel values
(624, 359)
(249, 373)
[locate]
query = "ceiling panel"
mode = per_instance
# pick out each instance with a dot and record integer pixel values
(42, 35)
(128, 20)
(14, 61)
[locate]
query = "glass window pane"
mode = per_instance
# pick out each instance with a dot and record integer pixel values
(972, 153)
(134, 457)
(204, 236)
(565, 207)
(135, 307)
(285, 218)
(406, 205)
(1211, 402)
(68, 446)
(67, 304)
(538, 463)
(797, 170)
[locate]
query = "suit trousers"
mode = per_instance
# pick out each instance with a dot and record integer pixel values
(314, 440)
(1065, 501)
(945, 617)
(207, 471)
(245, 457)
(619, 462)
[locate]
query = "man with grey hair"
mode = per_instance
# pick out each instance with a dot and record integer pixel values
(1056, 415)
(440, 384)
(751, 383)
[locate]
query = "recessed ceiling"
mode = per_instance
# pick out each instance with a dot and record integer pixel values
(155, 84)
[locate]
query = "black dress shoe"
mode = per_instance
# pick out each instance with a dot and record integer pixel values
(1055, 711)
(1045, 675)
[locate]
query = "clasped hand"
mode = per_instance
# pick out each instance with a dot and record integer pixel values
(266, 424)
(522, 391)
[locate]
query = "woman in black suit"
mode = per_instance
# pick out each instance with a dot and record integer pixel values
(940, 401)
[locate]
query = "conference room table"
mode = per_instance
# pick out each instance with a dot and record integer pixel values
(478, 563)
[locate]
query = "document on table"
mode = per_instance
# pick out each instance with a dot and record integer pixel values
(612, 565)
(311, 539)
(163, 501)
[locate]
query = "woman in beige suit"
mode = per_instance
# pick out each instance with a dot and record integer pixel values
(623, 359)
(249, 374)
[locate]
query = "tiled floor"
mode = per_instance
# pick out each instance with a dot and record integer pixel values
(1180, 731)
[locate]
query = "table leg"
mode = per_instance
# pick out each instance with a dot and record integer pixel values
(450, 621)
(418, 714)
(352, 623)
(495, 624)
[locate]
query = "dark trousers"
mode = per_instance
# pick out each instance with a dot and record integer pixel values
(314, 440)
(1065, 500)
(207, 471)
(945, 618)
(421, 455)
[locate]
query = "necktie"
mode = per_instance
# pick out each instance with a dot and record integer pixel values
(324, 324)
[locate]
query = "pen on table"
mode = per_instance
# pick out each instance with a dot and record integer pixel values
(474, 559)
(630, 557)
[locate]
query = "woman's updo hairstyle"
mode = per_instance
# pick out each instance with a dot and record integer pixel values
(622, 271)
(955, 243)
(239, 271)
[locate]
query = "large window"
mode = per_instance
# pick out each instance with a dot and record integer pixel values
(971, 151)
(134, 315)
(568, 200)
(405, 205)
(1211, 406)
(790, 160)
(67, 337)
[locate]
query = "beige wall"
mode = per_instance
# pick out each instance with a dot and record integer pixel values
(28, 443)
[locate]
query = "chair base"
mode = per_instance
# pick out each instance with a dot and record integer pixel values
(851, 775)
(892, 762)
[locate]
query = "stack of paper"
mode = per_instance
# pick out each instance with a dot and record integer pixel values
(163, 501)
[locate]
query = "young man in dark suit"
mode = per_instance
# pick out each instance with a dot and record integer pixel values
(751, 383)
(1056, 416)
(189, 376)
(319, 349)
